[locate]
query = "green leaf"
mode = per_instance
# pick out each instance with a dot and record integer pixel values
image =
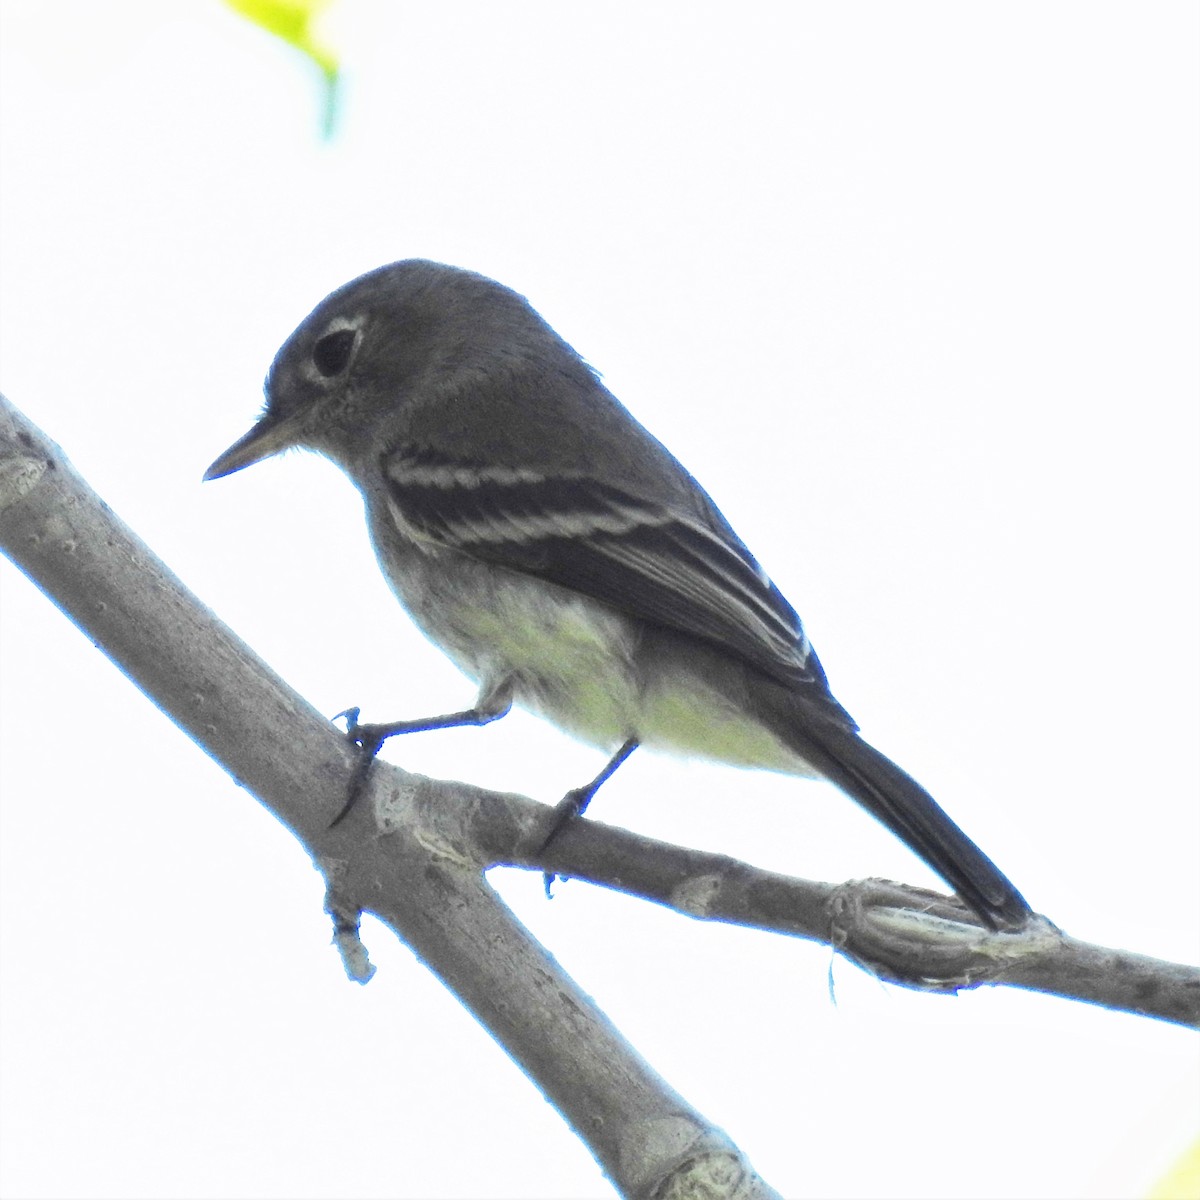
(297, 22)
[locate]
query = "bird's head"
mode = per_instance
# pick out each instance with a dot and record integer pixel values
(402, 335)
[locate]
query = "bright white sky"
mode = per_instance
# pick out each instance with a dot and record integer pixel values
(913, 289)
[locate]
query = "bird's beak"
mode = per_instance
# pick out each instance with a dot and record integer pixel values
(268, 436)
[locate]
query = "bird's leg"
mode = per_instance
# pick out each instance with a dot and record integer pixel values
(493, 703)
(573, 805)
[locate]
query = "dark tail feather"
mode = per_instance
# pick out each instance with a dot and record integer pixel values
(911, 813)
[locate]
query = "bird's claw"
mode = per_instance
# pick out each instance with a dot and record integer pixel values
(566, 812)
(350, 716)
(368, 737)
(368, 741)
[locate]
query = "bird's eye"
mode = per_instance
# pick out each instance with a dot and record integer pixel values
(332, 352)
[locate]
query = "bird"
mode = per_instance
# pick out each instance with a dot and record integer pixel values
(563, 558)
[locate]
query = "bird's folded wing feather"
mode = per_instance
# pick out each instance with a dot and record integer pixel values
(644, 559)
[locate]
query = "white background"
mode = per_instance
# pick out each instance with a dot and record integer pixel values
(912, 288)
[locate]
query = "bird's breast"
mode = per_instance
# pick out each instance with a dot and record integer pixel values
(581, 664)
(569, 658)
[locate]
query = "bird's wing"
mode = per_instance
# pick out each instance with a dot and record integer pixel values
(641, 558)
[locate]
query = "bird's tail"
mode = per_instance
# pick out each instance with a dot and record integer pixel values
(910, 812)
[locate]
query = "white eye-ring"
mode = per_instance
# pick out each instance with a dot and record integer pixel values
(333, 350)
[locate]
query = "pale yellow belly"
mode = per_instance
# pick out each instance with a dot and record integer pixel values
(573, 661)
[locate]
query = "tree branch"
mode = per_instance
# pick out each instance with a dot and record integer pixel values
(432, 893)
(900, 933)
(414, 853)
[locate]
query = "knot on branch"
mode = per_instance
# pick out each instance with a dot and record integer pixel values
(921, 939)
